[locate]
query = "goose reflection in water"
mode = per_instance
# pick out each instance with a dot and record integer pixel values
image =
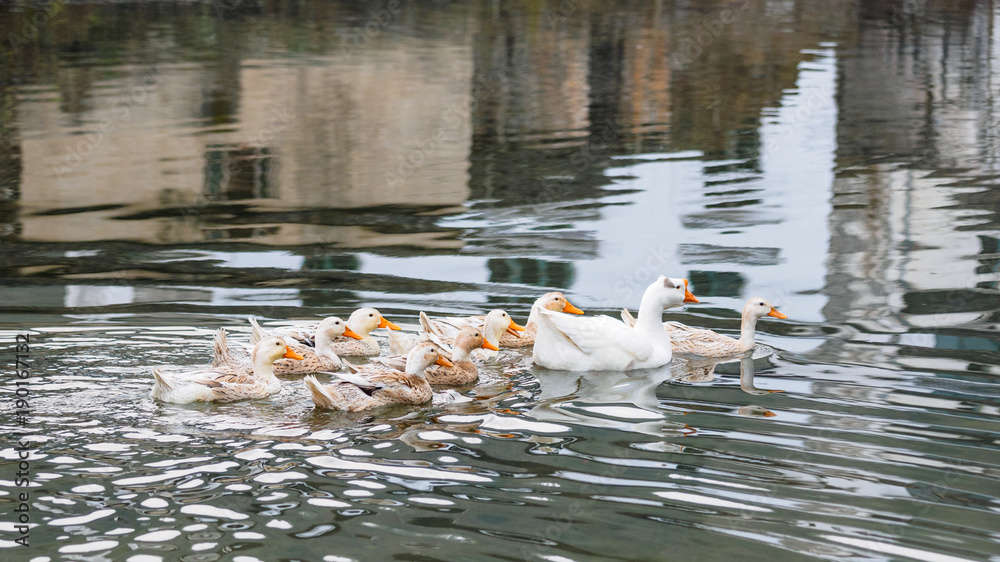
(628, 400)
(608, 399)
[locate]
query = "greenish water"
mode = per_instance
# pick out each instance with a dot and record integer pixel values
(167, 168)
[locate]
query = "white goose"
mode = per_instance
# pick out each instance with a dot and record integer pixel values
(601, 343)
(706, 343)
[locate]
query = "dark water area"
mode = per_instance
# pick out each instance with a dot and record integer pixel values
(168, 168)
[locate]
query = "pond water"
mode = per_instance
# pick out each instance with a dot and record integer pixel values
(167, 168)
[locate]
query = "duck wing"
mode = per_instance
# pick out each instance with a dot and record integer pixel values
(373, 380)
(223, 375)
(215, 377)
(364, 382)
(604, 335)
(442, 328)
(627, 318)
(438, 331)
(465, 322)
(682, 332)
(305, 338)
(394, 362)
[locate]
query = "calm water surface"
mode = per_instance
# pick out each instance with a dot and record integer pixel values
(167, 168)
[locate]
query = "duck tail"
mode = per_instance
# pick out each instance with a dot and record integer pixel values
(627, 318)
(320, 397)
(438, 341)
(161, 380)
(400, 343)
(256, 332)
(220, 348)
(435, 328)
(425, 323)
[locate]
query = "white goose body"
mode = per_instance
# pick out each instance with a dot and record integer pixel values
(601, 343)
(706, 343)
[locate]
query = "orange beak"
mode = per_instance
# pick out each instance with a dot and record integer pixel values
(351, 333)
(774, 312)
(513, 329)
(490, 346)
(688, 297)
(444, 361)
(383, 323)
(290, 353)
(571, 309)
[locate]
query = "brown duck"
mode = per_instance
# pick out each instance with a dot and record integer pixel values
(370, 388)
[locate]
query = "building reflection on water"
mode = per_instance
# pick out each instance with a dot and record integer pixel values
(549, 144)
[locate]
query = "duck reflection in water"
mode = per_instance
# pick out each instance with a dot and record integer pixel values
(701, 369)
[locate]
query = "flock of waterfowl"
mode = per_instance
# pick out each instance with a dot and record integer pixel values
(446, 350)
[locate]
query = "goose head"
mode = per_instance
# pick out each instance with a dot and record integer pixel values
(667, 292)
(270, 349)
(498, 322)
(424, 355)
(557, 302)
(364, 320)
(758, 308)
